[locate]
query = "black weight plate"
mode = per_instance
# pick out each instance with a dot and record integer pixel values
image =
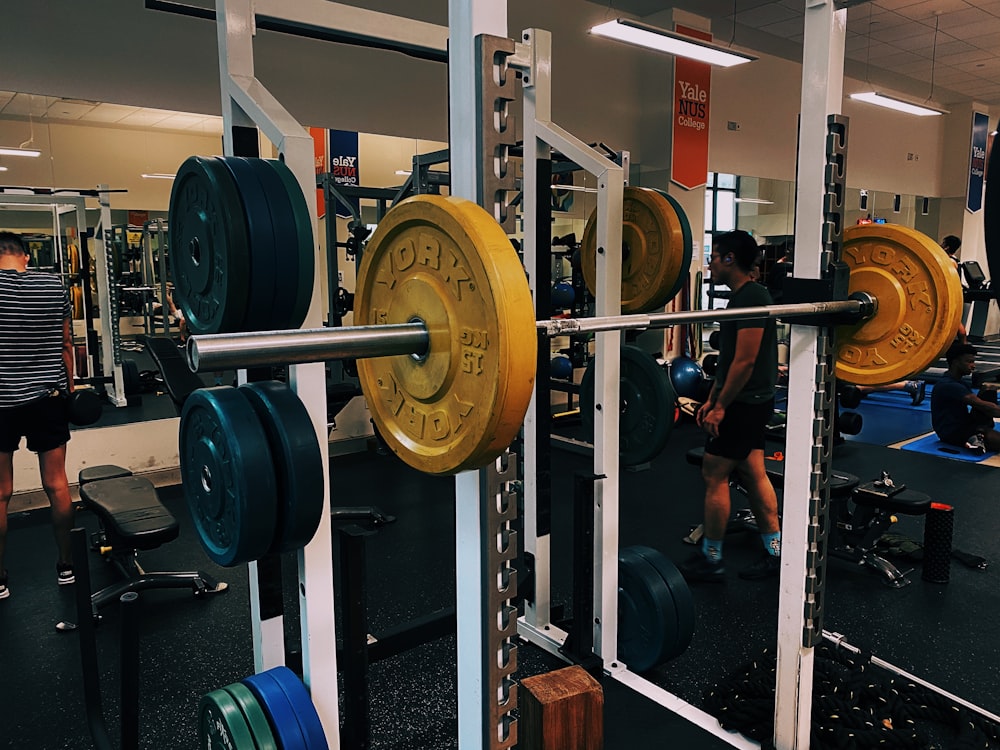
(688, 248)
(647, 403)
(130, 377)
(263, 248)
(228, 475)
(221, 724)
(286, 237)
(677, 640)
(208, 240)
(298, 463)
(306, 248)
(645, 613)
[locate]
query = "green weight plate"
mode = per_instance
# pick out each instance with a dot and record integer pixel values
(298, 462)
(688, 248)
(676, 639)
(262, 249)
(208, 240)
(283, 220)
(254, 714)
(646, 398)
(221, 724)
(305, 245)
(645, 612)
(227, 472)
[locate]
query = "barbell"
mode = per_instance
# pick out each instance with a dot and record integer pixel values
(446, 336)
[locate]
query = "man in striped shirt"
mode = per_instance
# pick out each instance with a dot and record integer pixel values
(36, 373)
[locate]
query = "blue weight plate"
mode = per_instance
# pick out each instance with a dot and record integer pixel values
(263, 247)
(646, 399)
(227, 472)
(677, 639)
(306, 246)
(688, 248)
(208, 239)
(298, 462)
(283, 220)
(221, 724)
(645, 612)
(280, 712)
(302, 703)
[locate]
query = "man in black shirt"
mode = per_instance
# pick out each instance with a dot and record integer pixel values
(959, 416)
(36, 373)
(736, 413)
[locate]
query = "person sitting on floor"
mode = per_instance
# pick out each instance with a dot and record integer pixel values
(959, 416)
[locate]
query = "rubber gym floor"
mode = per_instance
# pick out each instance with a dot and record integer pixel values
(945, 633)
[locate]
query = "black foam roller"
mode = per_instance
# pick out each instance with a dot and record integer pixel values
(938, 528)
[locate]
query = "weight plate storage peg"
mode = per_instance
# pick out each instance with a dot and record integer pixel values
(445, 262)
(652, 253)
(646, 398)
(919, 297)
(227, 472)
(298, 463)
(208, 242)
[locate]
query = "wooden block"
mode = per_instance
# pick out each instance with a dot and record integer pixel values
(561, 710)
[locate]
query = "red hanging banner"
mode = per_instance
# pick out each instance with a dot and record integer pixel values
(319, 152)
(692, 102)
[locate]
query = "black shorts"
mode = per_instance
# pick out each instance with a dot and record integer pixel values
(742, 430)
(974, 423)
(45, 422)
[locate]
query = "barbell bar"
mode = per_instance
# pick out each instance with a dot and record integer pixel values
(262, 348)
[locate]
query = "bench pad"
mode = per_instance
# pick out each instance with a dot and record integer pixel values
(131, 510)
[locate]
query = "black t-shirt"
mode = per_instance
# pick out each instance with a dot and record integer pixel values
(949, 412)
(760, 386)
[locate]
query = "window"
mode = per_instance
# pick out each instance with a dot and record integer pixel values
(720, 207)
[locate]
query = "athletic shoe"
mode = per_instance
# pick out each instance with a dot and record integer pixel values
(917, 389)
(4, 591)
(976, 444)
(64, 574)
(700, 568)
(768, 566)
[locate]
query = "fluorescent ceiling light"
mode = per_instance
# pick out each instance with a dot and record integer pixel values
(20, 152)
(625, 30)
(761, 201)
(3, 169)
(158, 176)
(892, 102)
(403, 172)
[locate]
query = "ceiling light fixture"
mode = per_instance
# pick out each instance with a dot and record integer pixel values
(759, 201)
(4, 151)
(633, 32)
(3, 169)
(158, 176)
(900, 105)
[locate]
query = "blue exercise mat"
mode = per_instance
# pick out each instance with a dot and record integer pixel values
(931, 445)
(899, 399)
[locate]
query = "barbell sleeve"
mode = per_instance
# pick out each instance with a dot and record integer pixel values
(262, 348)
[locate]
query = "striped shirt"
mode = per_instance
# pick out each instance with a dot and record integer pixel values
(33, 306)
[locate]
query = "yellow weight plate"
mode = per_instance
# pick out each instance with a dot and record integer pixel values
(652, 251)
(76, 299)
(919, 304)
(446, 262)
(74, 260)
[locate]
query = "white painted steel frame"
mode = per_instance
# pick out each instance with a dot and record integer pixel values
(466, 20)
(541, 135)
(245, 102)
(822, 94)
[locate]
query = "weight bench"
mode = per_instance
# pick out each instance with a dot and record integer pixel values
(177, 376)
(131, 519)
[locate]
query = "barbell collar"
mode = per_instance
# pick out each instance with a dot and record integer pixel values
(261, 348)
